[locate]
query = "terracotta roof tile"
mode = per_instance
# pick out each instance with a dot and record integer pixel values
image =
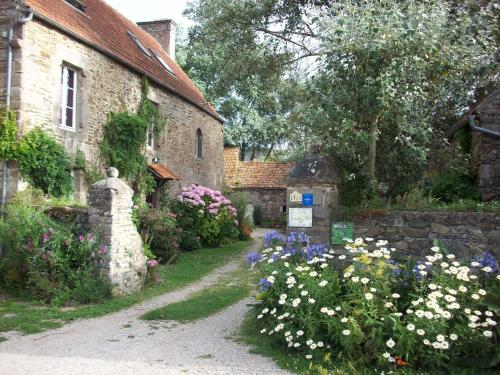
(162, 171)
(254, 174)
(103, 28)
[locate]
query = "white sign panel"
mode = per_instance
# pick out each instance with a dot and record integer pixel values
(295, 197)
(300, 217)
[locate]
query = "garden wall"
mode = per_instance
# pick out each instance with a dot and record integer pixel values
(414, 232)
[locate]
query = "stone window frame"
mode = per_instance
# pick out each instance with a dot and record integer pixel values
(199, 144)
(65, 70)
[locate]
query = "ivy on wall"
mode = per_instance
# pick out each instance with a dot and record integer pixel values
(8, 130)
(124, 141)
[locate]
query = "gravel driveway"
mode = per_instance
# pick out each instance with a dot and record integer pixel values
(121, 344)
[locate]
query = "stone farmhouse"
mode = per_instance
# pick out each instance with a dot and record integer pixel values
(66, 64)
(261, 184)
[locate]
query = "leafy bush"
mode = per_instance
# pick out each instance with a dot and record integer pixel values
(43, 162)
(244, 225)
(367, 308)
(206, 213)
(53, 263)
(8, 130)
(189, 241)
(257, 215)
(453, 186)
(158, 230)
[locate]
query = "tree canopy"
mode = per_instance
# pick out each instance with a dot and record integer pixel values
(372, 81)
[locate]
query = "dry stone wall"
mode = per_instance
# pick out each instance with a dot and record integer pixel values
(414, 232)
(110, 215)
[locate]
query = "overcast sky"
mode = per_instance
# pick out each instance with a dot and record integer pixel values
(148, 10)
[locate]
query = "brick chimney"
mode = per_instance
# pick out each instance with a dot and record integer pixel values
(164, 32)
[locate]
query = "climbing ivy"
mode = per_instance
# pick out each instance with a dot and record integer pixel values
(8, 130)
(125, 138)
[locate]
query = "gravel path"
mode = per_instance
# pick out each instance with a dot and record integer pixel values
(121, 344)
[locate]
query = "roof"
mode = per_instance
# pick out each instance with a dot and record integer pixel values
(162, 171)
(105, 29)
(253, 174)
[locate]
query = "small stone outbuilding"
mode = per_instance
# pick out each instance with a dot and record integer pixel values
(261, 184)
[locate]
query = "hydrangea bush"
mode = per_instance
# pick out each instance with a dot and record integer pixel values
(207, 214)
(360, 304)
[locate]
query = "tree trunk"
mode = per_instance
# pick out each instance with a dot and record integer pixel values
(269, 152)
(372, 153)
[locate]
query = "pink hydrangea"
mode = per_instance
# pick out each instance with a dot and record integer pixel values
(213, 201)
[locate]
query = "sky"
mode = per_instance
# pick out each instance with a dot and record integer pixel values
(148, 10)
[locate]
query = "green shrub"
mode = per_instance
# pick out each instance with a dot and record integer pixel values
(453, 186)
(159, 231)
(52, 262)
(43, 162)
(189, 240)
(257, 215)
(8, 130)
(239, 203)
(21, 229)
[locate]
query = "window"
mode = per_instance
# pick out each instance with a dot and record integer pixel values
(77, 4)
(68, 97)
(162, 62)
(139, 44)
(283, 208)
(199, 144)
(150, 138)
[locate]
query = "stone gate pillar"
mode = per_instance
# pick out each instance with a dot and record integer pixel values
(110, 216)
(312, 196)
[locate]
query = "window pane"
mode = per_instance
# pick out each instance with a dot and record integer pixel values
(71, 78)
(70, 98)
(69, 117)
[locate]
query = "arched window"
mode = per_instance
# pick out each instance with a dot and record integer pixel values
(199, 144)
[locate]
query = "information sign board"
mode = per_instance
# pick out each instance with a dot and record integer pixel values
(299, 217)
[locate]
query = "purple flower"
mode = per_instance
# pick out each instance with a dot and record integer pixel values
(46, 236)
(253, 258)
(103, 249)
(264, 284)
(90, 237)
(81, 237)
(274, 238)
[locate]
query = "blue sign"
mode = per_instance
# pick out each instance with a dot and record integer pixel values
(307, 200)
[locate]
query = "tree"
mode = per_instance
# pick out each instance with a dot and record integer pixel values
(368, 76)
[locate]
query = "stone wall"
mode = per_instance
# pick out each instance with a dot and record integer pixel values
(107, 86)
(110, 216)
(271, 201)
(486, 149)
(413, 232)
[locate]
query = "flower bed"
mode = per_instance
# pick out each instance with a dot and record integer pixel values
(366, 307)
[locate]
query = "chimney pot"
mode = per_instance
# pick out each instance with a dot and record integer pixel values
(164, 32)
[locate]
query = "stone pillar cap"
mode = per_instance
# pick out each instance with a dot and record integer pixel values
(112, 172)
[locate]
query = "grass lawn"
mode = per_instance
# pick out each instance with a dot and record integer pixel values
(31, 317)
(231, 289)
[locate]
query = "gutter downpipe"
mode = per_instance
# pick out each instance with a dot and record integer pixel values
(472, 123)
(5, 176)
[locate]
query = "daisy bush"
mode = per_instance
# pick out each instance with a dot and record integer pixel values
(361, 304)
(206, 214)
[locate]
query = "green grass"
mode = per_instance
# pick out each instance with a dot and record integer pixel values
(31, 317)
(231, 289)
